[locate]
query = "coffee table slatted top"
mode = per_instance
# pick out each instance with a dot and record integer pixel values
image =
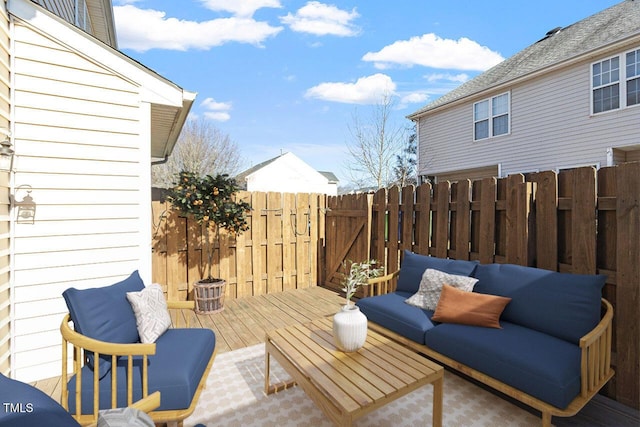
(349, 385)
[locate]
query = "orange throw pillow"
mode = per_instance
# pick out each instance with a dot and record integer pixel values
(469, 308)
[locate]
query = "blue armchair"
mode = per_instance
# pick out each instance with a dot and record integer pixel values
(112, 368)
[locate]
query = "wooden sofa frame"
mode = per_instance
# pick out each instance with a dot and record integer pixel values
(595, 366)
(82, 344)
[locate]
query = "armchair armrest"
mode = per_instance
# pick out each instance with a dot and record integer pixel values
(595, 365)
(82, 344)
(381, 285)
(149, 403)
(180, 305)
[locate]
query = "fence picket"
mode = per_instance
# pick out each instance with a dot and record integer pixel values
(441, 220)
(583, 221)
(423, 219)
(546, 218)
(393, 237)
(487, 219)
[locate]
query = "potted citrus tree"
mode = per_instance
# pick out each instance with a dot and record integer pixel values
(210, 200)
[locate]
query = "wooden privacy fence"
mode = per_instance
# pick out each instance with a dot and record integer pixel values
(278, 252)
(579, 221)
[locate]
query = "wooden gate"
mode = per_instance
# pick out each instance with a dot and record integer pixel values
(348, 234)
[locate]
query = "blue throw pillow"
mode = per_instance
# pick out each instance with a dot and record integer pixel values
(564, 305)
(105, 314)
(413, 265)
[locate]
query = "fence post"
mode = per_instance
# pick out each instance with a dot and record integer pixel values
(628, 283)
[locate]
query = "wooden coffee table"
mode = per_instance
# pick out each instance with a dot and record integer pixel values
(346, 386)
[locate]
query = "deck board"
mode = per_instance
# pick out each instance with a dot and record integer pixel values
(244, 322)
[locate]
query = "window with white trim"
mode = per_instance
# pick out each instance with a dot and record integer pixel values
(632, 60)
(615, 82)
(491, 117)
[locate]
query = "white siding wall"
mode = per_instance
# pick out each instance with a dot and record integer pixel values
(551, 127)
(78, 132)
(5, 291)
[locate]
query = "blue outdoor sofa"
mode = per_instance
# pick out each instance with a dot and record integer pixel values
(551, 349)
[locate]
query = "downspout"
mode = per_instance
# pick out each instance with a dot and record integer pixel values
(160, 162)
(418, 151)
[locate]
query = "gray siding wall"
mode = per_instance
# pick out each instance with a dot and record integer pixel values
(551, 127)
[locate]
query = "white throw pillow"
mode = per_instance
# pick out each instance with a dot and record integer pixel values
(152, 315)
(431, 284)
(124, 417)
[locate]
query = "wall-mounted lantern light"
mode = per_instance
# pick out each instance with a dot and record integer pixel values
(6, 155)
(26, 208)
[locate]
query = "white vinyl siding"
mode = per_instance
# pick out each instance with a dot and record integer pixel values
(546, 130)
(77, 136)
(5, 291)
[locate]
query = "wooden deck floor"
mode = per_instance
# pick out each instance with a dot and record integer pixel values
(243, 323)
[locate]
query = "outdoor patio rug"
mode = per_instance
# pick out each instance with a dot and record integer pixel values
(234, 396)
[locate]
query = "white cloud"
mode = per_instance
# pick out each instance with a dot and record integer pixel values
(439, 77)
(366, 90)
(432, 51)
(218, 116)
(218, 111)
(144, 29)
(245, 8)
(322, 19)
(414, 98)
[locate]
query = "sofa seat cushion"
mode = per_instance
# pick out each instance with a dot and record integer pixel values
(391, 312)
(175, 371)
(413, 265)
(541, 365)
(564, 305)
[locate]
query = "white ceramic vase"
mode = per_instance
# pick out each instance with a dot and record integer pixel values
(349, 328)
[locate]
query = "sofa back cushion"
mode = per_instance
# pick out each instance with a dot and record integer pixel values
(413, 265)
(105, 313)
(563, 305)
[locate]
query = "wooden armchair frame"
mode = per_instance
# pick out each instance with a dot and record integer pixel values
(83, 345)
(595, 366)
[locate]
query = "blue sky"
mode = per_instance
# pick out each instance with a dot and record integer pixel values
(288, 75)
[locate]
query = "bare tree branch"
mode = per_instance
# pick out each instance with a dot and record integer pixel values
(202, 148)
(375, 143)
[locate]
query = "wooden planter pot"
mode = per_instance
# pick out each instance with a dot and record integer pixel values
(209, 297)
